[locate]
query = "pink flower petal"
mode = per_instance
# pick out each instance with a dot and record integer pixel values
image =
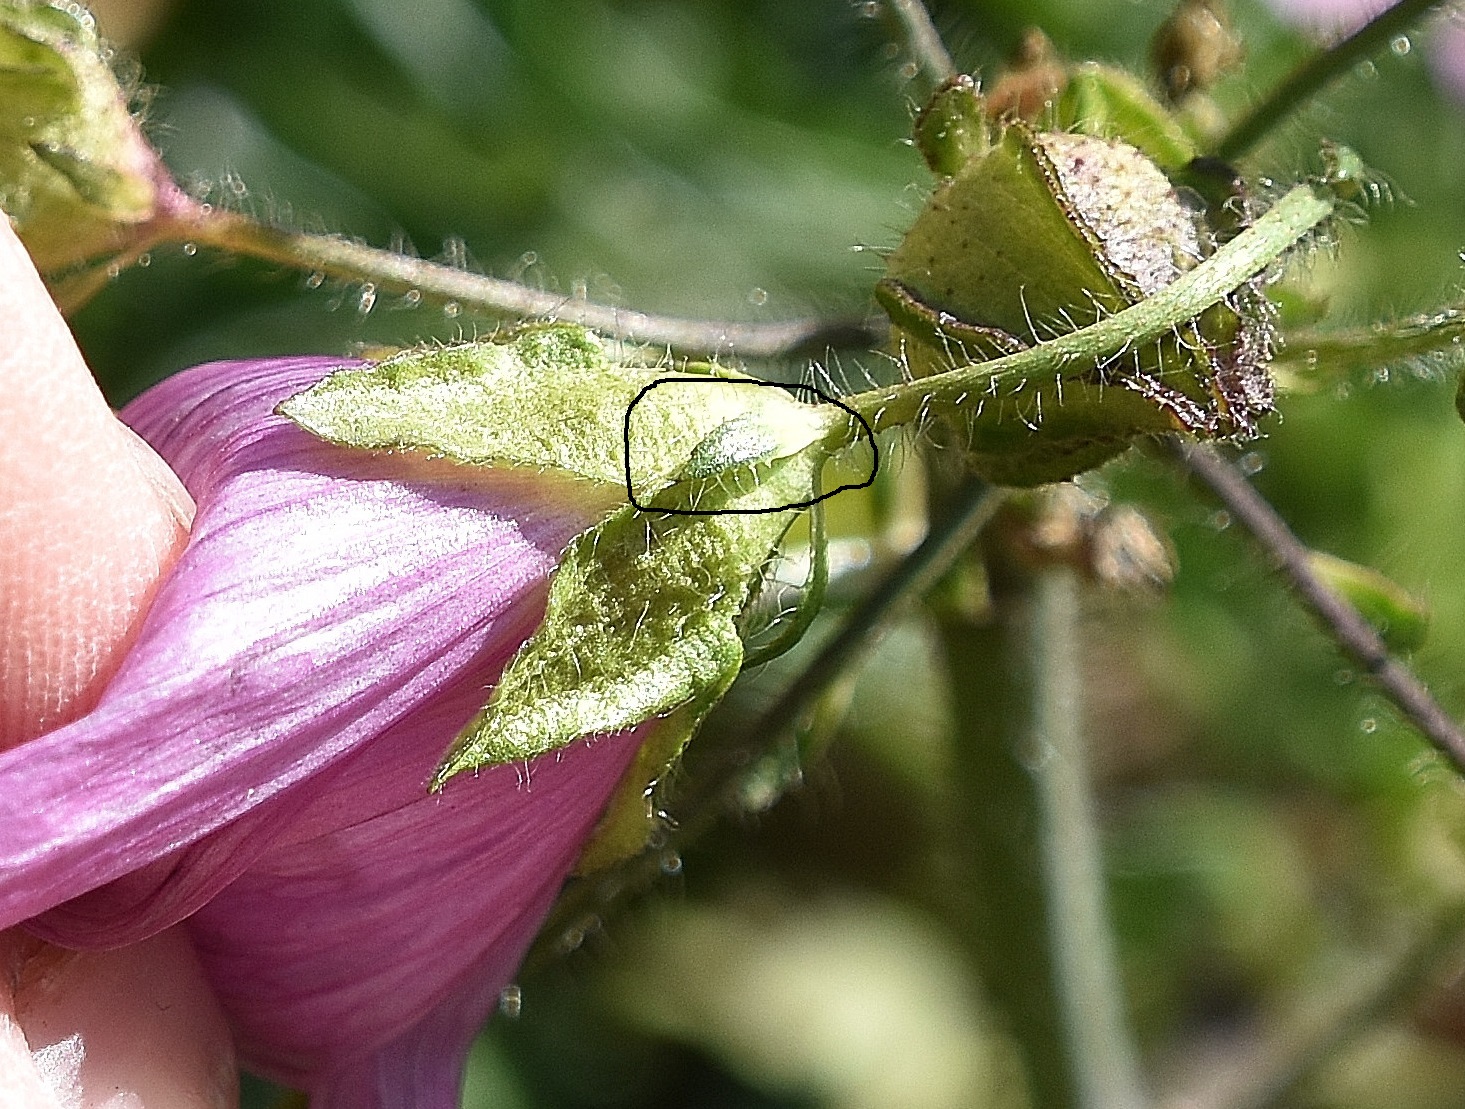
(261, 758)
(1333, 16)
(304, 947)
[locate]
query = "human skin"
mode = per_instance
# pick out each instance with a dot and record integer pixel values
(90, 520)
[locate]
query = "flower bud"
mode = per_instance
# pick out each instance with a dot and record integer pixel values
(76, 175)
(1045, 233)
(1195, 47)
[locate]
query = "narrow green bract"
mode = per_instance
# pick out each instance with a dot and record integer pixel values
(1400, 618)
(641, 622)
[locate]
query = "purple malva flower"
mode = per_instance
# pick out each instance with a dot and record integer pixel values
(258, 767)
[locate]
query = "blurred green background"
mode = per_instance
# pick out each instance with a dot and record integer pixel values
(1272, 831)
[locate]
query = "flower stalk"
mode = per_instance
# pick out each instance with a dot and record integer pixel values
(1354, 636)
(1035, 908)
(388, 273)
(1435, 338)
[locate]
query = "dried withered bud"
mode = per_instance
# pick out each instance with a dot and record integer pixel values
(1031, 81)
(1195, 47)
(1112, 545)
(1044, 233)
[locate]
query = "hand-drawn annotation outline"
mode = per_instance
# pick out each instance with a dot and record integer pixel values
(866, 431)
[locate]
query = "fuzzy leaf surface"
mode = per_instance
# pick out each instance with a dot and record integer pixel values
(642, 621)
(548, 397)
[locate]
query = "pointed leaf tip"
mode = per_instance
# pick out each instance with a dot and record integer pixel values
(642, 621)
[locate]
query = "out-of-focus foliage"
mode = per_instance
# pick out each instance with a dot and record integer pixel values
(1268, 818)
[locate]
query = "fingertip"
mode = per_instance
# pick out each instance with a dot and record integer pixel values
(88, 521)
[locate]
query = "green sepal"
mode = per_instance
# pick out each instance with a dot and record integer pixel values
(728, 470)
(1109, 103)
(1399, 617)
(548, 397)
(631, 815)
(642, 621)
(76, 175)
(810, 603)
(979, 248)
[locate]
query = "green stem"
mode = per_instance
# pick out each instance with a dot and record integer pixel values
(1291, 218)
(389, 273)
(1090, 990)
(1354, 635)
(1323, 68)
(1337, 353)
(1038, 921)
(922, 40)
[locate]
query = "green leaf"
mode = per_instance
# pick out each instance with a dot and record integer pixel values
(549, 397)
(1399, 617)
(630, 816)
(642, 621)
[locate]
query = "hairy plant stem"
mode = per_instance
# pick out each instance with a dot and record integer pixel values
(390, 273)
(1036, 912)
(1309, 78)
(1079, 352)
(1434, 336)
(1355, 637)
(921, 39)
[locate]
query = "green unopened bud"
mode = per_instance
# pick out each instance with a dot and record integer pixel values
(77, 177)
(952, 128)
(1041, 235)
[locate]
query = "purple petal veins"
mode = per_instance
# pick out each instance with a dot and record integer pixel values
(259, 764)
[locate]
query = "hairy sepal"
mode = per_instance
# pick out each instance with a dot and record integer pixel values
(546, 397)
(642, 622)
(642, 616)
